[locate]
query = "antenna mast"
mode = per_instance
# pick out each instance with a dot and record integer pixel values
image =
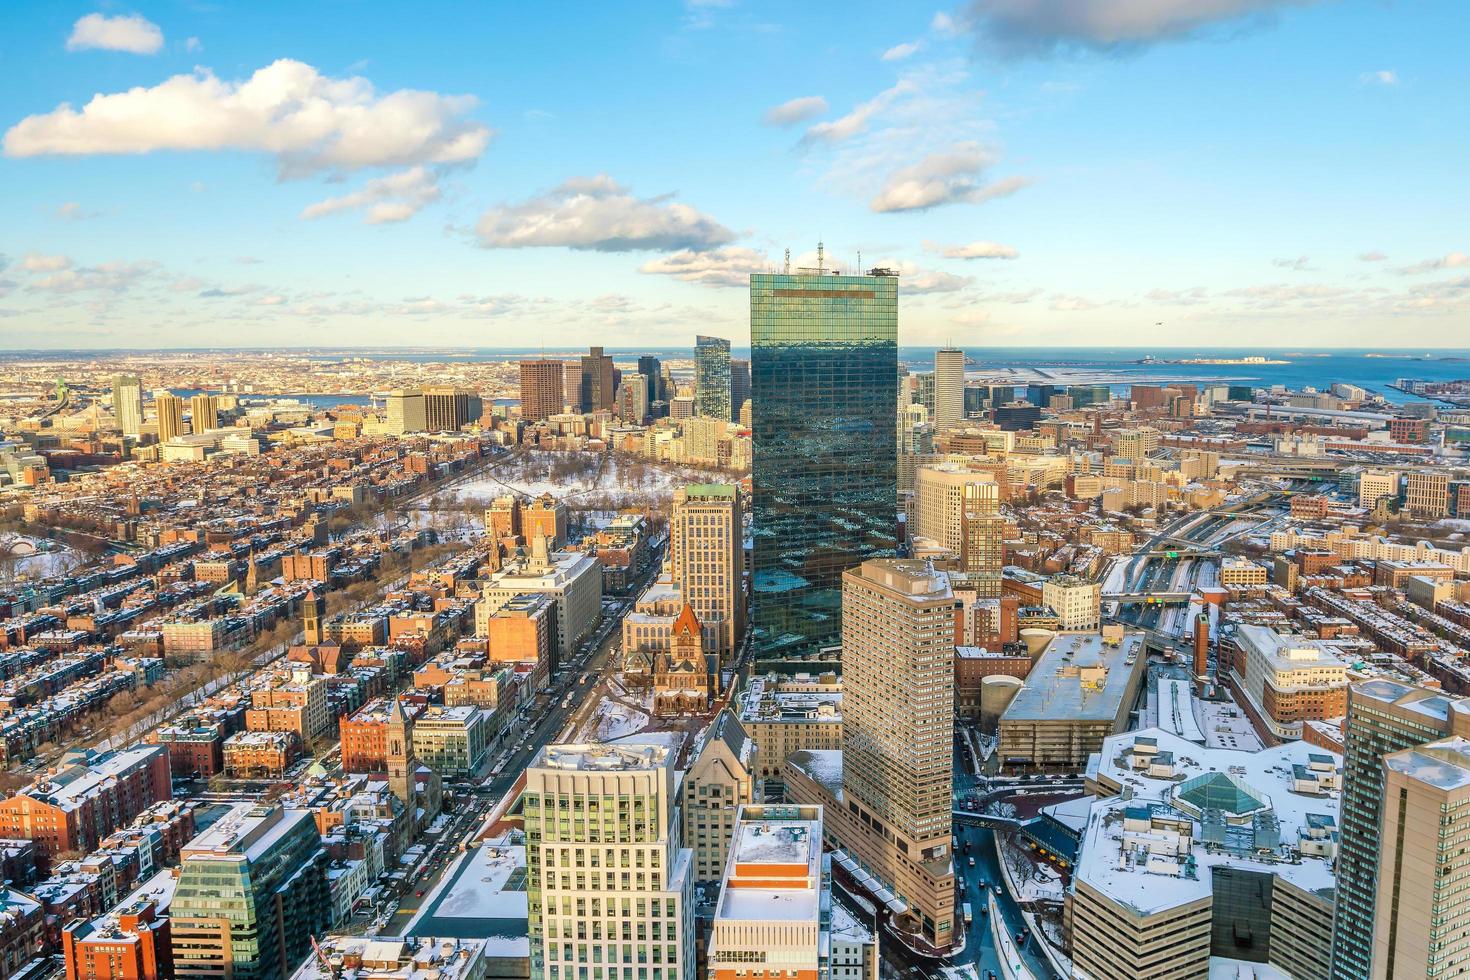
(820, 258)
(786, 269)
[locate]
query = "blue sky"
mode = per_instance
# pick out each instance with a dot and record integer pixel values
(1041, 171)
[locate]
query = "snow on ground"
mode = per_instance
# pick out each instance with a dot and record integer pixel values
(1226, 726)
(572, 474)
(613, 719)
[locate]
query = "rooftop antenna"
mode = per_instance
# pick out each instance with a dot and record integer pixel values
(786, 269)
(860, 262)
(820, 258)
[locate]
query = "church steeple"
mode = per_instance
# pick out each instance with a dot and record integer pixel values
(400, 754)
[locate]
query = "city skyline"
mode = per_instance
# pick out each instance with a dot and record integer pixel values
(1008, 159)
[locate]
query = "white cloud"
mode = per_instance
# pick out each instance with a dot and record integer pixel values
(131, 33)
(110, 277)
(1382, 77)
(1178, 297)
(796, 110)
(396, 197)
(901, 51)
(943, 23)
(970, 318)
(1454, 260)
(857, 120)
(1299, 264)
(952, 176)
(716, 267)
(229, 292)
(1038, 27)
(308, 121)
(193, 45)
(599, 214)
(45, 263)
(974, 250)
(915, 280)
(1373, 256)
(1072, 304)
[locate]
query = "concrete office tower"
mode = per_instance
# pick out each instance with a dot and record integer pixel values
(1136, 444)
(1423, 861)
(772, 902)
(572, 384)
(712, 377)
(949, 388)
(1383, 717)
(406, 411)
(127, 404)
(609, 888)
(982, 540)
(597, 382)
(915, 442)
(824, 383)
(1077, 603)
(446, 408)
(653, 373)
(252, 891)
(203, 414)
(633, 399)
(739, 387)
(898, 731)
(543, 392)
(170, 409)
(707, 557)
(940, 494)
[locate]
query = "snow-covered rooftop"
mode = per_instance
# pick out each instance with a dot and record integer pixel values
(1144, 848)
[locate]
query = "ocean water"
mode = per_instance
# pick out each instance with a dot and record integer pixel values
(1374, 370)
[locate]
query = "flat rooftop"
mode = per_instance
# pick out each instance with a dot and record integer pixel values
(760, 848)
(1078, 677)
(601, 758)
(1301, 820)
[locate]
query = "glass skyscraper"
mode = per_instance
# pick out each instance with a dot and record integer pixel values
(824, 386)
(712, 377)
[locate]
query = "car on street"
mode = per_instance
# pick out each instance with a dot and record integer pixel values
(972, 862)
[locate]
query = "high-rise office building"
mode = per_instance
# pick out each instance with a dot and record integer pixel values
(1383, 717)
(949, 387)
(739, 386)
(203, 414)
(609, 888)
(1423, 861)
(653, 373)
(633, 399)
(824, 382)
(447, 408)
(170, 409)
(898, 717)
(712, 377)
(127, 404)
(597, 382)
(406, 411)
(572, 384)
(707, 557)
(252, 891)
(542, 389)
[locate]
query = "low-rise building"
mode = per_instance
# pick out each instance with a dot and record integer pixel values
(1080, 691)
(1283, 681)
(787, 714)
(1192, 852)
